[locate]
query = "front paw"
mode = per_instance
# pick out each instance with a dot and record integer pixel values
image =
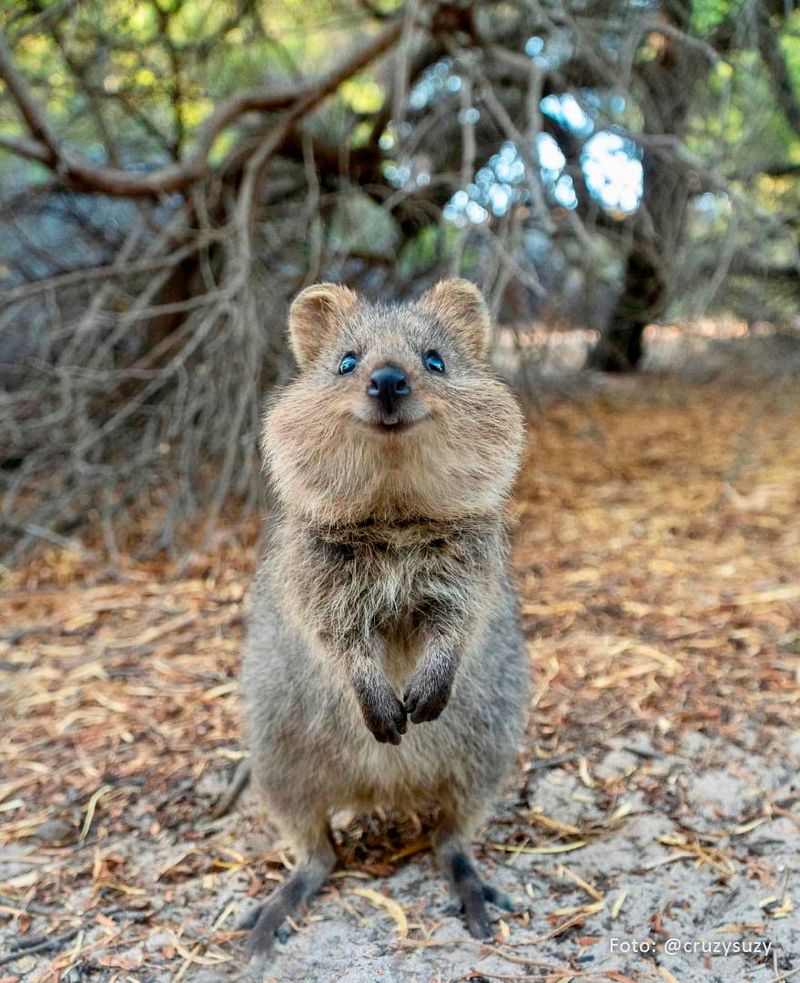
(384, 715)
(427, 695)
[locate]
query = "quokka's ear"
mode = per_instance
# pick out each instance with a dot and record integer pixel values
(460, 308)
(316, 314)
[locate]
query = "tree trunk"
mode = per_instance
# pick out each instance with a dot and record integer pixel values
(667, 84)
(642, 299)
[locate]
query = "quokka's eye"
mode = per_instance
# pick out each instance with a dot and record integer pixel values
(348, 363)
(434, 361)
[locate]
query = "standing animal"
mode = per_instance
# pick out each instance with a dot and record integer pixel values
(384, 599)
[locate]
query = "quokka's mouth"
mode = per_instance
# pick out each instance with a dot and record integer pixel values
(399, 426)
(389, 426)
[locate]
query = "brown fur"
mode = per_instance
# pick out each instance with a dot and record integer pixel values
(383, 599)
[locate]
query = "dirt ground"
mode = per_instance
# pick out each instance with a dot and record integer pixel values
(651, 831)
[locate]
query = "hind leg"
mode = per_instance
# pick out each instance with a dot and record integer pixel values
(316, 859)
(451, 844)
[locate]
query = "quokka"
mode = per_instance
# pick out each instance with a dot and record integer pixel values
(384, 665)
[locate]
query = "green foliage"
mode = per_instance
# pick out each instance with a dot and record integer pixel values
(421, 250)
(144, 74)
(709, 14)
(362, 94)
(360, 226)
(790, 45)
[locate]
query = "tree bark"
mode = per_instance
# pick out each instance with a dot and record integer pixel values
(667, 82)
(642, 298)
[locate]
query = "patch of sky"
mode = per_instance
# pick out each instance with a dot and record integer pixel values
(613, 171)
(476, 214)
(595, 102)
(566, 110)
(437, 81)
(551, 160)
(706, 203)
(507, 164)
(534, 49)
(564, 192)
(397, 174)
(617, 104)
(534, 46)
(494, 190)
(495, 187)
(711, 206)
(405, 175)
(610, 163)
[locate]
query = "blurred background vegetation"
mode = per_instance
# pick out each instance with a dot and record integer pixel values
(173, 171)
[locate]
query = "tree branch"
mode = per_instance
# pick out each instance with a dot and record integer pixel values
(776, 169)
(22, 147)
(36, 122)
(79, 173)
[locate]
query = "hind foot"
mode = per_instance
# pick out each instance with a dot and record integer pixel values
(470, 891)
(268, 922)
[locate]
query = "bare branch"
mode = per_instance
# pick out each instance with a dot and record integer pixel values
(37, 123)
(22, 147)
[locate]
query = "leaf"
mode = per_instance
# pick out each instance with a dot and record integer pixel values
(391, 906)
(543, 850)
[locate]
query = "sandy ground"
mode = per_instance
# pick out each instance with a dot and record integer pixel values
(650, 833)
(681, 876)
(676, 881)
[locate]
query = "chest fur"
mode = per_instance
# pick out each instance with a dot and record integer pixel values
(392, 582)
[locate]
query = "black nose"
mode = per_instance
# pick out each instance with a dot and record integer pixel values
(388, 385)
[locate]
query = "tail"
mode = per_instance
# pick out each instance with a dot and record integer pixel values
(237, 785)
